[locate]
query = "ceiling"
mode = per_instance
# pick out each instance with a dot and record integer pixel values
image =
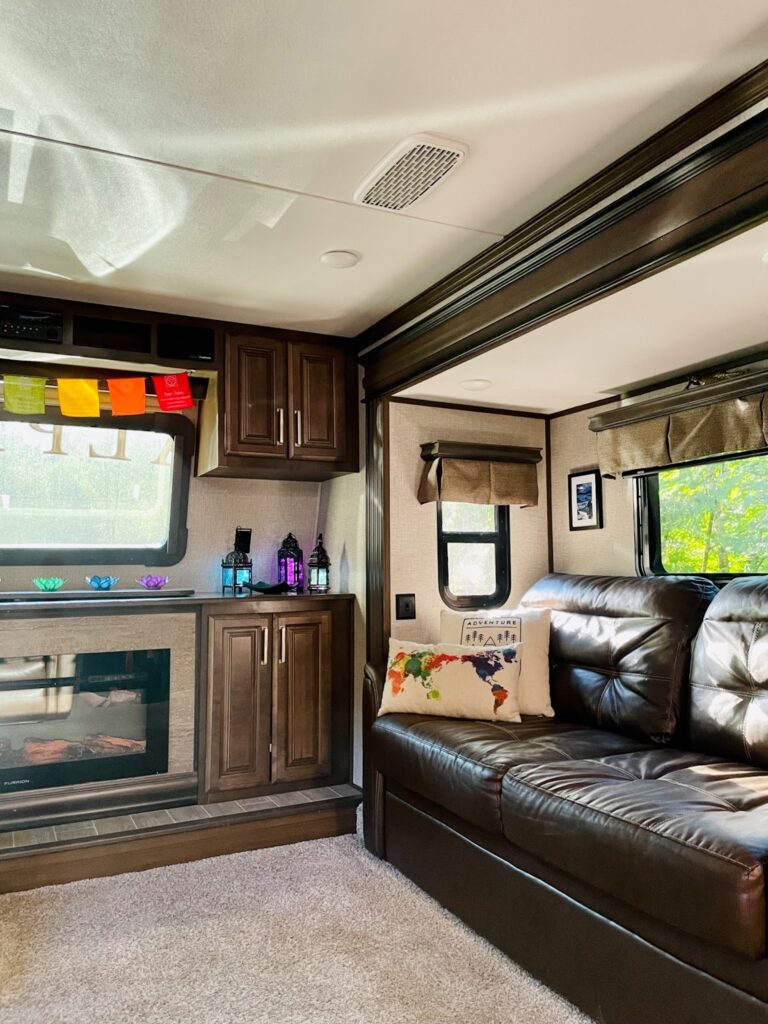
(710, 308)
(202, 154)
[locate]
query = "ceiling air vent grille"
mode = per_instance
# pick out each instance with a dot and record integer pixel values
(411, 171)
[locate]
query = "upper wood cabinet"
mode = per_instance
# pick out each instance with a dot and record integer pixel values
(317, 389)
(286, 408)
(254, 423)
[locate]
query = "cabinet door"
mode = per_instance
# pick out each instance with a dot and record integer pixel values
(301, 697)
(255, 397)
(318, 399)
(239, 696)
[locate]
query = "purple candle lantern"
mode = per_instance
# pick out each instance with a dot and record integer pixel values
(290, 564)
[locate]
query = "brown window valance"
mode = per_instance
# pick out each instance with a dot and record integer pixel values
(479, 474)
(725, 418)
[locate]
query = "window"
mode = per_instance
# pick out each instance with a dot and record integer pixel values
(706, 519)
(85, 493)
(473, 554)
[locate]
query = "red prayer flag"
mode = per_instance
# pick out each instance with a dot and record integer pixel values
(173, 392)
(128, 396)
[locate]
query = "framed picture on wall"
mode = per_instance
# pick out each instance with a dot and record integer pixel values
(585, 500)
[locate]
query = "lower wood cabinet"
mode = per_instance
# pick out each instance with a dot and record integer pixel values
(278, 696)
(301, 697)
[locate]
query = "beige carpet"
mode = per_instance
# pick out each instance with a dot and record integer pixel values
(317, 933)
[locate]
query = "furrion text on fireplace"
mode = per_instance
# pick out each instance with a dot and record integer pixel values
(72, 718)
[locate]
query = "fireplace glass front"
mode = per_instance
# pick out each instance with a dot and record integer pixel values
(72, 718)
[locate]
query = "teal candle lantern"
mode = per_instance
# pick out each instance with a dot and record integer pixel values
(237, 567)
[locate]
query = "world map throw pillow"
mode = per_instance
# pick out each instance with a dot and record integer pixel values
(526, 626)
(452, 681)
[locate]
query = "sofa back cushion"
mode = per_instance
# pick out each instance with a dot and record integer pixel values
(620, 648)
(728, 711)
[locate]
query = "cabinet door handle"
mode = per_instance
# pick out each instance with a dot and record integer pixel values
(282, 645)
(280, 426)
(265, 645)
(298, 428)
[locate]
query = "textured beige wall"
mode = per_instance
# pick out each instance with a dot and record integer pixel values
(216, 506)
(341, 517)
(28, 637)
(413, 527)
(608, 551)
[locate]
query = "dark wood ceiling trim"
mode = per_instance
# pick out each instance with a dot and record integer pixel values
(459, 407)
(729, 103)
(585, 407)
(705, 198)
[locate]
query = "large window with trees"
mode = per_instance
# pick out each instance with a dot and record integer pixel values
(705, 519)
(473, 554)
(94, 492)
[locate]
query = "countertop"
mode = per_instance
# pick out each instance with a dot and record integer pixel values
(91, 605)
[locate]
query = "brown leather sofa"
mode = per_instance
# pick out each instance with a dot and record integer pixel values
(618, 851)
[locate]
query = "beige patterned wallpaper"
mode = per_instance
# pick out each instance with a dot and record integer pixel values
(609, 551)
(341, 516)
(413, 527)
(216, 506)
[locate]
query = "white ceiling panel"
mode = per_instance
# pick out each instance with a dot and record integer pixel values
(710, 307)
(79, 224)
(306, 96)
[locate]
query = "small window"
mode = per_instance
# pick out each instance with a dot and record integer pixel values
(473, 554)
(709, 519)
(85, 493)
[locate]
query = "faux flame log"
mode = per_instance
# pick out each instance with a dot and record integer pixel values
(41, 751)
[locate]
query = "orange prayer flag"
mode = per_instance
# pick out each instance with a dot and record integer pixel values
(128, 396)
(78, 397)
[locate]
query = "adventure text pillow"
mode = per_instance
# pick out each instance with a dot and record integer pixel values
(528, 627)
(455, 682)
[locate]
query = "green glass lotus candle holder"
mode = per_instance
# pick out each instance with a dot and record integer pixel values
(48, 583)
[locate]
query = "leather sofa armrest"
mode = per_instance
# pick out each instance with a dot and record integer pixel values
(373, 780)
(373, 690)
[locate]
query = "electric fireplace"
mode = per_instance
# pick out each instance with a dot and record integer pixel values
(72, 718)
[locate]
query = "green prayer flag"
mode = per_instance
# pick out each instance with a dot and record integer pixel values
(24, 395)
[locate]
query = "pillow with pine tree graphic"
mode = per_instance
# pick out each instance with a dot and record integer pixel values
(527, 626)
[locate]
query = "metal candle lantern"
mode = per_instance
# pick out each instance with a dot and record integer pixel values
(290, 564)
(237, 567)
(319, 564)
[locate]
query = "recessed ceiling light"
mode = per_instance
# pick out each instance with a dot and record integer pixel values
(764, 257)
(340, 259)
(475, 384)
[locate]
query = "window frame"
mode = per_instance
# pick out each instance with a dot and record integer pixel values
(499, 538)
(648, 521)
(182, 430)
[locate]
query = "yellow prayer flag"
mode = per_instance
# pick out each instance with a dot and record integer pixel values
(78, 397)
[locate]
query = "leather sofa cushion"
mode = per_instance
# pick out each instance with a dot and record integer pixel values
(620, 648)
(460, 763)
(679, 836)
(728, 712)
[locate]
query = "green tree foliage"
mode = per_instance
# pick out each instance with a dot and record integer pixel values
(714, 518)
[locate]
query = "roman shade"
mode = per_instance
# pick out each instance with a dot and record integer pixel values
(479, 474)
(725, 418)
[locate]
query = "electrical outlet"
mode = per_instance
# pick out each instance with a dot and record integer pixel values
(405, 606)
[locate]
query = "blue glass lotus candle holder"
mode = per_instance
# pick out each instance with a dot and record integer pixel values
(102, 582)
(49, 583)
(152, 582)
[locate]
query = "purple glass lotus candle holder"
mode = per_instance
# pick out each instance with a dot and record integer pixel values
(152, 582)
